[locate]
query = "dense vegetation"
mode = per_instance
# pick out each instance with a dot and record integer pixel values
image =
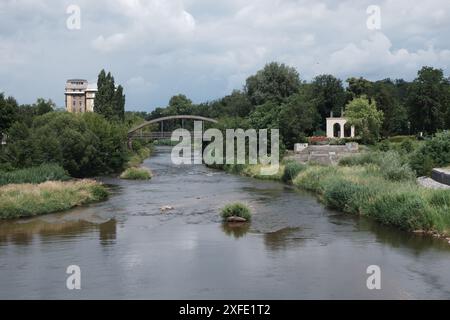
(39, 174)
(276, 97)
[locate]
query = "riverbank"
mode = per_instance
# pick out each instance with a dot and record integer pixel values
(133, 170)
(391, 197)
(25, 200)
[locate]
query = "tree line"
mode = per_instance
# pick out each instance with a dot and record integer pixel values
(276, 97)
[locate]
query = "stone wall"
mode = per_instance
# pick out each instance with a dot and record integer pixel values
(441, 175)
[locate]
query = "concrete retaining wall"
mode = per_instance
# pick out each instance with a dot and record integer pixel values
(441, 175)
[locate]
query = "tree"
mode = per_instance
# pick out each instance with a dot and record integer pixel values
(9, 112)
(275, 82)
(428, 100)
(109, 101)
(395, 114)
(179, 104)
(85, 145)
(298, 117)
(329, 95)
(358, 87)
(44, 106)
(366, 118)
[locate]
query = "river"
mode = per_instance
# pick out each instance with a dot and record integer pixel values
(294, 247)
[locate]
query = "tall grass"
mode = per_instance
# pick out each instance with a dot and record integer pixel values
(139, 156)
(365, 190)
(136, 174)
(236, 209)
(25, 200)
(42, 173)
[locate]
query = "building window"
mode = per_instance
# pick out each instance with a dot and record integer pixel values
(73, 102)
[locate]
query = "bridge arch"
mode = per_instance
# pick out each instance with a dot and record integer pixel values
(190, 117)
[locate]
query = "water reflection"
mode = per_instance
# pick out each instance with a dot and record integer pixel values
(283, 238)
(24, 232)
(235, 229)
(397, 238)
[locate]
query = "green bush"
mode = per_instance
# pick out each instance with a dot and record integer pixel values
(433, 153)
(392, 168)
(291, 170)
(314, 178)
(236, 209)
(83, 144)
(39, 174)
(406, 210)
(339, 194)
(134, 173)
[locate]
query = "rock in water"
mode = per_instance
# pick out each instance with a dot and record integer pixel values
(166, 208)
(236, 219)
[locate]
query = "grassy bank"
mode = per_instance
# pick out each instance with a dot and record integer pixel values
(377, 185)
(25, 200)
(38, 174)
(137, 157)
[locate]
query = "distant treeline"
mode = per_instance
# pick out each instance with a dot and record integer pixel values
(276, 97)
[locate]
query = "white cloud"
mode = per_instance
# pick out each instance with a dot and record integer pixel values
(204, 48)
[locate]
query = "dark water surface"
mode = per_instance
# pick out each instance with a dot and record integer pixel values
(293, 249)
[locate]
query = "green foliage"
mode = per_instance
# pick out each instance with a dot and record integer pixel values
(236, 209)
(329, 95)
(393, 168)
(291, 170)
(361, 159)
(109, 100)
(134, 173)
(406, 210)
(341, 194)
(428, 100)
(364, 115)
(275, 83)
(39, 174)
(84, 145)
(433, 153)
(9, 112)
(27, 200)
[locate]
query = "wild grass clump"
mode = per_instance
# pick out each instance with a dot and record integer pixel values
(361, 159)
(342, 194)
(134, 173)
(392, 168)
(404, 209)
(236, 209)
(25, 200)
(291, 170)
(314, 178)
(139, 156)
(39, 174)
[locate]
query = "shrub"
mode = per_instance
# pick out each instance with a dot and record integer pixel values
(393, 169)
(39, 174)
(433, 153)
(314, 178)
(291, 169)
(236, 209)
(405, 209)
(136, 174)
(339, 193)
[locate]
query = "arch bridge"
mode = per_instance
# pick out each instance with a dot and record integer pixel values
(138, 131)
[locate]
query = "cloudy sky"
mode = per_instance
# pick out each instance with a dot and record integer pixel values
(207, 48)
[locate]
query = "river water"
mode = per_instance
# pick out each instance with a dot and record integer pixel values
(294, 248)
